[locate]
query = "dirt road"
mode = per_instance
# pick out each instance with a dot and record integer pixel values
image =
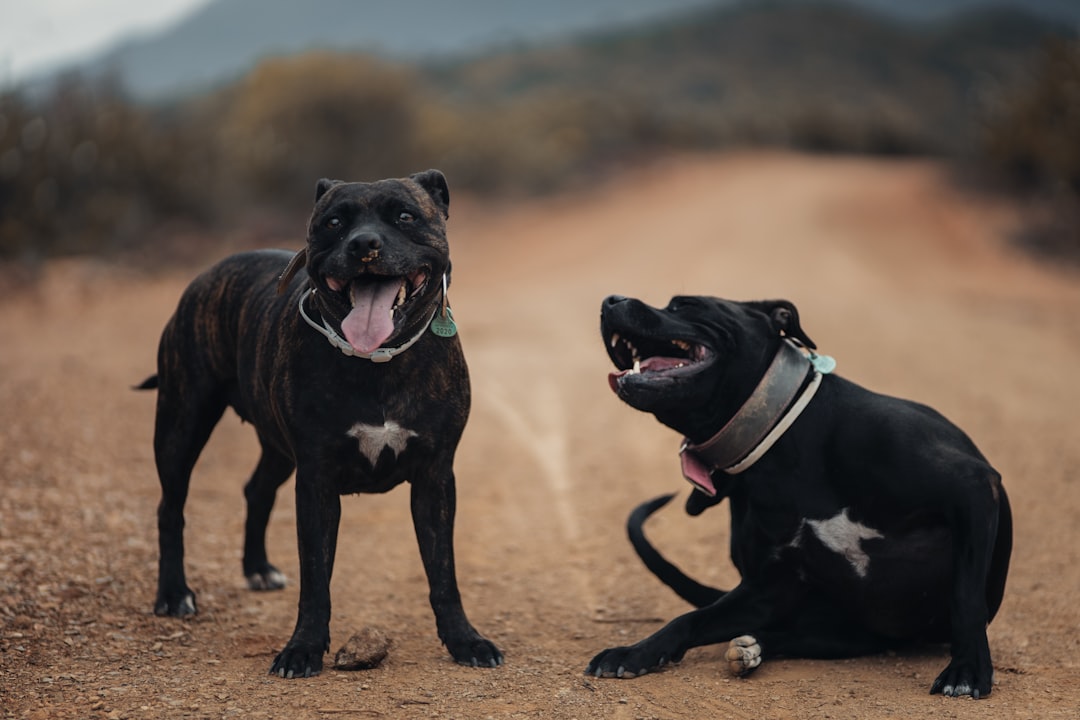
(906, 282)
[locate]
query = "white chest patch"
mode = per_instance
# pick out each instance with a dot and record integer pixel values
(844, 536)
(373, 438)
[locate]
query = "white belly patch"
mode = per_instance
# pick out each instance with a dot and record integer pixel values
(373, 438)
(844, 536)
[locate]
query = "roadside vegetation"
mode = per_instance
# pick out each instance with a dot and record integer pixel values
(85, 170)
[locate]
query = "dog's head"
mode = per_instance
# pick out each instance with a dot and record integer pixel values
(693, 363)
(376, 254)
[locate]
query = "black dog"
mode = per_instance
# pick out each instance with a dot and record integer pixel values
(353, 376)
(859, 522)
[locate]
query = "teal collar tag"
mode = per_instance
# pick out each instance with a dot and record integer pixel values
(443, 323)
(824, 364)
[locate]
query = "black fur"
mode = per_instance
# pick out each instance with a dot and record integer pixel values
(237, 340)
(938, 554)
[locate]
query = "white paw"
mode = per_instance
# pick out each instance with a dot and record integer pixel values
(743, 655)
(271, 580)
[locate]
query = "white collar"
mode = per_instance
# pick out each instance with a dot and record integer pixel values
(379, 355)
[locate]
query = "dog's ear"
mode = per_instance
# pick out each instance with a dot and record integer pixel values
(323, 185)
(298, 261)
(434, 182)
(785, 319)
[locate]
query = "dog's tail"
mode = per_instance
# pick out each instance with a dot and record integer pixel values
(150, 383)
(684, 586)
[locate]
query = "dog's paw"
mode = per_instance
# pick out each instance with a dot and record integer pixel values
(266, 578)
(475, 652)
(179, 604)
(743, 655)
(960, 678)
(627, 662)
(297, 661)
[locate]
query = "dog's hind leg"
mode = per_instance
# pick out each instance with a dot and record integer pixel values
(818, 630)
(183, 425)
(274, 468)
(973, 502)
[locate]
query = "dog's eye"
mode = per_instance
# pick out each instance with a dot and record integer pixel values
(333, 223)
(405, 217)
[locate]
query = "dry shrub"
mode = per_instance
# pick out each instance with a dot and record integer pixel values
(86, 171)
(294, 120)
(1033, 142)
(83, 169)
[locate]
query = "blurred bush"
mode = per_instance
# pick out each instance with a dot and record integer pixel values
(1032, 142)
(295, 120)
(85, 170)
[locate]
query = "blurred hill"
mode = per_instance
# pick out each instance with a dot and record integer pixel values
(826, 77)
(223, 39)
(86, 166)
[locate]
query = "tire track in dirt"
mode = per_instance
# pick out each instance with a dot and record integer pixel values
(544, 438)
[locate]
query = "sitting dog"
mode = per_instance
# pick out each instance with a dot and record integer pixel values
(352, 375)
(859, 522)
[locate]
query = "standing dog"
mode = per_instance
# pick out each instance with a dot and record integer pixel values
(859, 521)
(353, 376)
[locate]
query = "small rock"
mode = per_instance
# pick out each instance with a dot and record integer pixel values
(364, 650)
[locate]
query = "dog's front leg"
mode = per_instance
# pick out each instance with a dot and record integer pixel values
(743, 610)
(318, 513)
(433, 505)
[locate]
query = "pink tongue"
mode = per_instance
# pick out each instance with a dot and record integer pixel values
(613, 379)
(651, 364)
(371, 322)
(656, 363)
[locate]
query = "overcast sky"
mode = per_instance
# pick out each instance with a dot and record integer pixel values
(36, 34)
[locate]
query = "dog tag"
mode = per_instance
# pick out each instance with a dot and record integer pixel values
(443, 325)
(824, 364)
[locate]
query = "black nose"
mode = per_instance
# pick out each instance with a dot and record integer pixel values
(362, 243)
(612, 300)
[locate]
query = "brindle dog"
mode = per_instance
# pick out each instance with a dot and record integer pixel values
(351, 374)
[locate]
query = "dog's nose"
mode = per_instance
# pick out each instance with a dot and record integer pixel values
(612, 300)
(363, 243)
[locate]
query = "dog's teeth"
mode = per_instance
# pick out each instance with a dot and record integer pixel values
(401, 295)
(614, 339)
(637, 365)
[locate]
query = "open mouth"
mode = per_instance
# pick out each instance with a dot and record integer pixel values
(380, 305)
(648, 359)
